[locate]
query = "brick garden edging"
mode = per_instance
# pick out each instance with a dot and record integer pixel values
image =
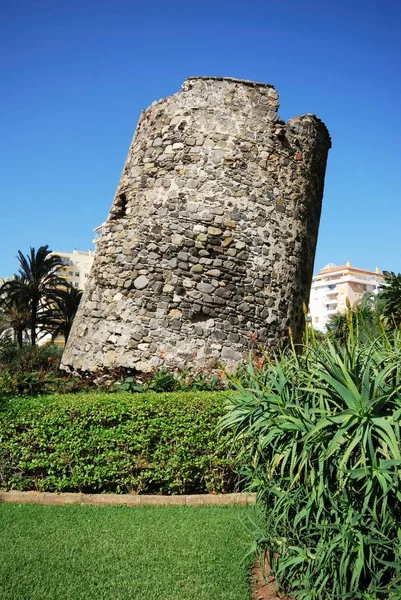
(16, 497)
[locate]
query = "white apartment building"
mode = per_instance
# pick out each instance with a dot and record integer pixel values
(333, 286)
(98, 231)
(76, 266)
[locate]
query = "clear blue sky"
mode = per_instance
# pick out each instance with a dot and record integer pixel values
(75, 76)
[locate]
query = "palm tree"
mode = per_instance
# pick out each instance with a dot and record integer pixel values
(14, 315)
(37, 283)
(338, 327)
(391, 295)
(58, 315)
(363, 320)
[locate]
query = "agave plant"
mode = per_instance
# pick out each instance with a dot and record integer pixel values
(321, 434)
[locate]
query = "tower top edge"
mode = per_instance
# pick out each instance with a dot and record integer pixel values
(312, 118)
(232, 80)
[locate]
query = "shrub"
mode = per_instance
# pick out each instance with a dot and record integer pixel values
(28, 370)
(320, 433)
(30, 358)
(33, 370)
(142, 443)
(162, 380)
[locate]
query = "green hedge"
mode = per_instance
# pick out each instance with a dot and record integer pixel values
(142, 443)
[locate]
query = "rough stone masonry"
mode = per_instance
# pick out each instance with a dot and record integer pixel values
(211, 236)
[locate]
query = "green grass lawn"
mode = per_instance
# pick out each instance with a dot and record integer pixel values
(143, 553)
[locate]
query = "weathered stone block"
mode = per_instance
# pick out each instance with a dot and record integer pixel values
(140, 282)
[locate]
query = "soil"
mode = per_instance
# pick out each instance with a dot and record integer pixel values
(264, 589)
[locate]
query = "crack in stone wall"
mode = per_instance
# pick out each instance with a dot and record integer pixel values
(211, 236)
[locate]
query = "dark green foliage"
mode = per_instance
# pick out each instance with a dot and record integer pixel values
(149, 443)
(29, 370)
(162, 380)
(30, 383)
(28, 358)
(58, 316)
(391, 295)
(320, 433)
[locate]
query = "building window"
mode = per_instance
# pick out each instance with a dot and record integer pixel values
(70, 273)
(76, 273)
(76, 284)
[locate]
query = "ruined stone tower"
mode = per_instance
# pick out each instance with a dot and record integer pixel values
(211, 235)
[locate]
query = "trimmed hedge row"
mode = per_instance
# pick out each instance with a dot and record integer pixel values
(142, 443)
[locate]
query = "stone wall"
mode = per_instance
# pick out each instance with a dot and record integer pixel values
(211, 237)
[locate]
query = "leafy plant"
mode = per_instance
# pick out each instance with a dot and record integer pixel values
(29, 358)
(161, 380)
(130, 384)
(201, 382)
(320, 434)
(142, 443)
